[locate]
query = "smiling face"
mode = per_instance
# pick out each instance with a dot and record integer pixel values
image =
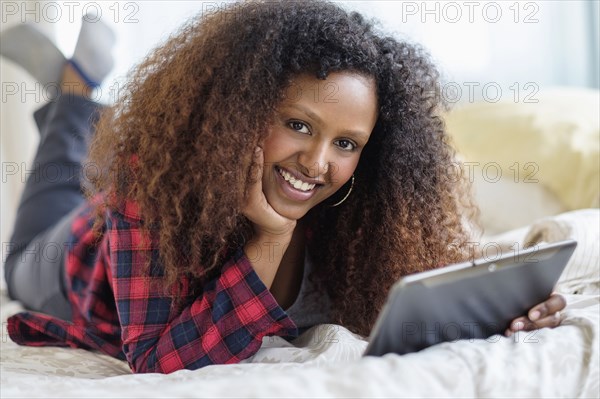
(316, 139)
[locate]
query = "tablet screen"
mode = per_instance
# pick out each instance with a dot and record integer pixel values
(468, 300)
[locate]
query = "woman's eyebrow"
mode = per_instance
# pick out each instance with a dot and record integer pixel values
(357, 134)
(308, 112)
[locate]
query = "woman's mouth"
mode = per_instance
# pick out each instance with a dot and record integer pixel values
(293, 187)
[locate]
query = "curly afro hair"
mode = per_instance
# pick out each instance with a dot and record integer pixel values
(181, 138)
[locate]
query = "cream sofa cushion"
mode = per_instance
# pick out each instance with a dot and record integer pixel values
(554, 142)
(531, 160)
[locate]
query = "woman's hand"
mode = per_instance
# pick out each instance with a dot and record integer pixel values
(546, 314)
(272, 232)
(266, 221)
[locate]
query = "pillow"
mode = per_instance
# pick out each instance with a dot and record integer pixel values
(554, 142)
(582, 273)
(505, 205)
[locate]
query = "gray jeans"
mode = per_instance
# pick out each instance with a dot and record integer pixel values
(34, 267)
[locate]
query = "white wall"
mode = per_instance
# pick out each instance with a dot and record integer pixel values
(545, 43)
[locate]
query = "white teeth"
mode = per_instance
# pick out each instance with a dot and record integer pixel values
(296, 183)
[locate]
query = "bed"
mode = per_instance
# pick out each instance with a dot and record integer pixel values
(326, 361)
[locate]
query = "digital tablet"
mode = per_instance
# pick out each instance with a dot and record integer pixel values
(467, 300)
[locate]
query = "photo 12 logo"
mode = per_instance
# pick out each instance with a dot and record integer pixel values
(489, 92)
(470, 11)
(414, 334)
(69, 11)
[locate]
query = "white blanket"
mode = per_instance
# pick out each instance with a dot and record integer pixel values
(326, 361)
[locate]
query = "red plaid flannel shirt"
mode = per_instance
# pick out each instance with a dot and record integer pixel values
(119, 311)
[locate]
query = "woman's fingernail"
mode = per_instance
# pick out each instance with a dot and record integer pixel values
(519, 325)
(557, 316)
(534, 315)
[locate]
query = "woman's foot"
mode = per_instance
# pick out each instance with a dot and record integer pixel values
(92, 57)
(73, 84)
(34, 52)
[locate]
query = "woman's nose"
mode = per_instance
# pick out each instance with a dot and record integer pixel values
(314, 161)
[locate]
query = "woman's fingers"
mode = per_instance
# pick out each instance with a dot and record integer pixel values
(256, 204)
(552, 320)
(255, 192)
(257, 209)
(518, 324)
(555, 303)
(546, 314)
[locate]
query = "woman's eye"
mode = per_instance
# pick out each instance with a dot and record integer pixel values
(346, 145)
(299, 126)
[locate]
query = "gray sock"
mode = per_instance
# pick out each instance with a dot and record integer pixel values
(34, 52)
(93, 50)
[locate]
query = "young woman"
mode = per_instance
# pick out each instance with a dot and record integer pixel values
(273, 166)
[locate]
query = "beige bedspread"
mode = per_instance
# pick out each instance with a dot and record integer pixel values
(326, 361)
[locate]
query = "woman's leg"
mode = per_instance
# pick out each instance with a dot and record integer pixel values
(34, 267)
(53, 188)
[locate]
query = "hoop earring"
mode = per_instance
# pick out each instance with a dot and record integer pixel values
(347, 194)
